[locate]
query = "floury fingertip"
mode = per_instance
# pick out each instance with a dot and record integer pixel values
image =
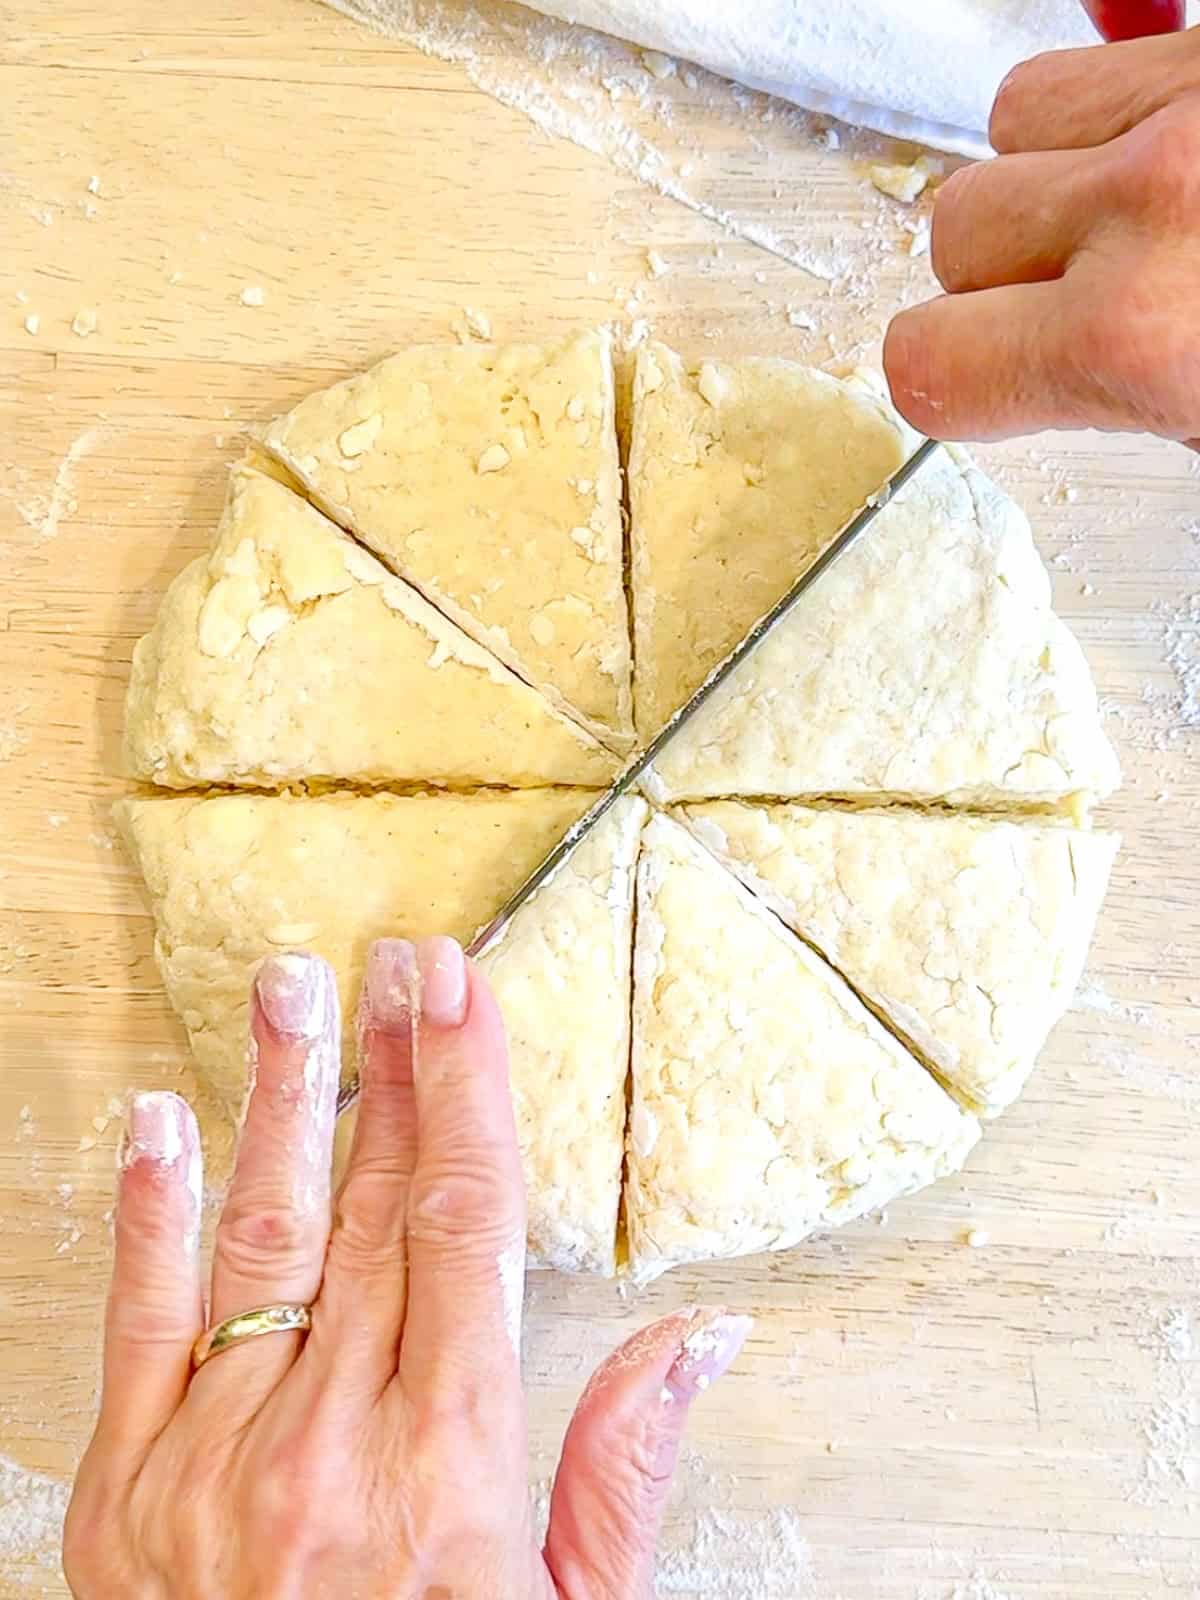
(392, 986)
(708, 1349)
(296, 994)
(155, 1129)
(443, 982)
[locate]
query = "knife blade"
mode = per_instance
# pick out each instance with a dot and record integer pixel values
(638, 765)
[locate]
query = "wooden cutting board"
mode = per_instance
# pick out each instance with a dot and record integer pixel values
(913, 1417)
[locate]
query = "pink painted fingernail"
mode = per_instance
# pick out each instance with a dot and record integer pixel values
(392, 987)
(160, 1128)
(296, 994)
(709, 1349)
(443, 982)
(154, 1129)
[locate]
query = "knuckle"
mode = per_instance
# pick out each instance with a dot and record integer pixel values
(1154, 174)
(368, 1222)
(953, 224)
(253, 1237)
(470, 1203)
(1013, 98)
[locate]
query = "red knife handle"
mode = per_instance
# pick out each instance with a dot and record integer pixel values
(1136, 19)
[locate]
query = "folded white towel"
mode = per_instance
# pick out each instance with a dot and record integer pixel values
(919, 69)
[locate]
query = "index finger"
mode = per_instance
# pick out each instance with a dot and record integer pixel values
(466, 1209)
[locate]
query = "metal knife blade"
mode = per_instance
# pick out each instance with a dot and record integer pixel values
(638, 765)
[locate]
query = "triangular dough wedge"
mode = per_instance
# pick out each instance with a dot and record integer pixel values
(233, 878)
(290, 653)
(767, 1101)
(489, 477)
(927, 664)
(561, 972)
(969, 934)
(739, 474)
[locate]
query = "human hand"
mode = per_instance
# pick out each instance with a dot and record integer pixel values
(383, 1456)
(1072, 261)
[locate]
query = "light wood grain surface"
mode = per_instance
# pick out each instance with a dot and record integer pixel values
(913, 1418)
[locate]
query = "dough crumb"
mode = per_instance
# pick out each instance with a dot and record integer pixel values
(658, 65)
(801, 319)
(93, 186)
(478, 322)
(658, 265)
(267, 622)
(713, 384)
(494, 459)
(253, 295)
(918, 245)
(977, 1239)
(904, 183)
(84, 322)
(541, 630)
(357, 439)
(831, 139)
(33, 322)
(576, 408)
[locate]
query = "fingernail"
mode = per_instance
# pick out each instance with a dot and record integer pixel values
(708, 1350)
(154, 1129)
(295, 992)
(159, 1127)
(392, 986)
(443, 982)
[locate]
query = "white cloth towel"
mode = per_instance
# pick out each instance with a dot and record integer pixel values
(918, 69)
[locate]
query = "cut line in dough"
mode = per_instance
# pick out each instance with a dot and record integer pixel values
(767, 1101)
(290, 654)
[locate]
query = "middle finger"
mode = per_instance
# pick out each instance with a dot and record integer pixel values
(271, 1239)
(356, 1337)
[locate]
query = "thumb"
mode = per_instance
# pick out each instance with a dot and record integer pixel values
(620, 1451)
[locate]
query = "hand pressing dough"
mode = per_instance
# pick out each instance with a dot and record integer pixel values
(489, 477)
(767, 1101)
(561, 972)
(740, 473)
(968, 934)
(234, 878)
(925, 665)
(290, 654)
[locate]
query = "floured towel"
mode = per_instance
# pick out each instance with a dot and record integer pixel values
(925, 71)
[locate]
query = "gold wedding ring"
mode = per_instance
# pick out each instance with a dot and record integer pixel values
(250, 1325)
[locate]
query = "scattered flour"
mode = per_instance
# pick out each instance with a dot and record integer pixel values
(1170, 1472)
(605, 96)
(977, 1587)
(1093, 996)
(1181, 651)
(712, 1551)
(740, 1558)
(44, 513)
(32, 1508)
